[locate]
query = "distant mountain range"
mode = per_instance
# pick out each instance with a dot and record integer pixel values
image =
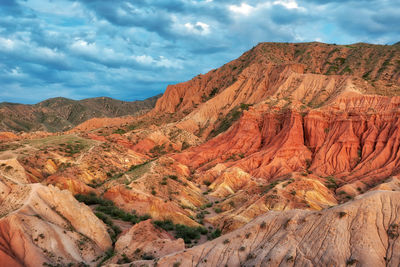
(60, 114)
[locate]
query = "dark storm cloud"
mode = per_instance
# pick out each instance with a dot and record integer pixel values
(132, 49)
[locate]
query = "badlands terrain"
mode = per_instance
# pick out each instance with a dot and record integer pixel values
(288, 155)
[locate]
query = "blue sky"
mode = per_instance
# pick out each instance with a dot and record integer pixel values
(133, 49)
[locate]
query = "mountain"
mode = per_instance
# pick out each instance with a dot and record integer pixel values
(287, 155)
(60, 114)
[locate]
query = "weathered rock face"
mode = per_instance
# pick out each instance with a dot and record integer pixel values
(160, 189)
(42, 224)
(255, 199)
(311, 73)
(348, 139)
(145, 239)
(361, 232)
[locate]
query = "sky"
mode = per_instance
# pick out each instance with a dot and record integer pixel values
(133, 49)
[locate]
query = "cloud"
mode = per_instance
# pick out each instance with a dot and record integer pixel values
(131, 49)
(242, 9)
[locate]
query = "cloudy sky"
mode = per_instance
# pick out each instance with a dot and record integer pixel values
(132, 49)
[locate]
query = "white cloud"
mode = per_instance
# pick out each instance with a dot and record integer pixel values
(6, 44)
(144, 59)
(243, 9)
(160, 62)
(198, 28)
(289, 4)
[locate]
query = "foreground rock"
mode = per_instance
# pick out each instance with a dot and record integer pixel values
(362, 232)
(43, 225)
(145, 240)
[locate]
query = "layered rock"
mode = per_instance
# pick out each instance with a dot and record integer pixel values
(43, 225)
(160, 189)
(361, 232)
(144, 239)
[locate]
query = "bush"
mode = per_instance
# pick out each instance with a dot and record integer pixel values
(218, 210)
(187, 233)
(93, 199)
(207, 183)
(167, 225)
(117, 213)
(108, 255)
(115, 229)
(173, 177)
(216, 233)
(147, 257)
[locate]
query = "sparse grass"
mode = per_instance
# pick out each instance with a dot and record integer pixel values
(62, 141)
(187, 233)
(331, 182)
(158, 150)
(108, 255)
(119, 131)
(270, 186)
(9, 146)
(229, 119)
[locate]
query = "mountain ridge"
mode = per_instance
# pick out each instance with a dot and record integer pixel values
(60, 114)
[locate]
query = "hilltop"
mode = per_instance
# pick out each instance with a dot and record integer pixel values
(60, 114)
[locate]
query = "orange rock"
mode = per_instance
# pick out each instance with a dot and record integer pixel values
(7, 136)
(146, 239)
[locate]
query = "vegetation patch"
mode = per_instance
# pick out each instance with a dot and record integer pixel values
(187, 233)
(107, 207)
(331, 182)
(229, 119)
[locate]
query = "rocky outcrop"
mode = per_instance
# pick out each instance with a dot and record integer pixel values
(43, 225)
(312, 73)
(362, 232)
(145, 240)
(161, 189)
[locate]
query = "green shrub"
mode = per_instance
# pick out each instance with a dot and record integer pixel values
(93, 199)
(167, 225)
(173, 177)
(218, 210)
(117, 213)
(207, 183)
(216, 233)
(119, 131)
(187, 233)
(147, 257)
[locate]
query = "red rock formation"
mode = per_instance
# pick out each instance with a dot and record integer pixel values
(7, 136)
(145, 239)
